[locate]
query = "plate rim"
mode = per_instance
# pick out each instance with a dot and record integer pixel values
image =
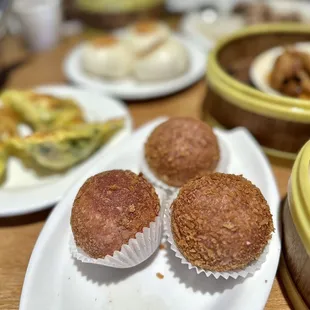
(59, 210)
(49, 202)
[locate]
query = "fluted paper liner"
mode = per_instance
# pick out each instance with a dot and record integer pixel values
(222, 166)
(249, 269)
(136, 251)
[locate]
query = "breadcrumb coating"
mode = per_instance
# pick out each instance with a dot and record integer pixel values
(180, 149)
(109, 209)
(221, 222)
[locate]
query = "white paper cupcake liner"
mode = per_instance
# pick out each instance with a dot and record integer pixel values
(136, 251)
(150, 176)
(248, 270)
(132, 254)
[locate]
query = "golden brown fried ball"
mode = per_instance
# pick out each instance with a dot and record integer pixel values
(221, 222)
(109, 209)
(180, 149)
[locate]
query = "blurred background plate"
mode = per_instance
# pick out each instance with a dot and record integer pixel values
(204, 33)
(130, 89)
(26, 192)
(205, 24)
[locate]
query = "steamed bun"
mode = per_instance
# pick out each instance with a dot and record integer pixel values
(107, 57)
(168, 61)
(144, 36)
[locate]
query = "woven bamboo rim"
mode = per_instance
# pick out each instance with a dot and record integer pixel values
(290, 287)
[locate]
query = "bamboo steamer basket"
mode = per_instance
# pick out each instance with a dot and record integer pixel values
(295, 262)
(280, 124)
(112, 14)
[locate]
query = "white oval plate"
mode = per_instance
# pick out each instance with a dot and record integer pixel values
(54, 280)
(24, 191)
(263, 64)
(206, 35)
(130, 89)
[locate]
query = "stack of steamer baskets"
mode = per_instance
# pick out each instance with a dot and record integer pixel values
(280, 124)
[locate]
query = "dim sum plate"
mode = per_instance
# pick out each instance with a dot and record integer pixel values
(54, 280)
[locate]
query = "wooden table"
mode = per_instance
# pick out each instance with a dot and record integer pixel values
(18, 235)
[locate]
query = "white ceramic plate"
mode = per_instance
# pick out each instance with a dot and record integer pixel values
(262, 66)
(288, 7)
(54, 280)
(24, 191)
(205, 35)
(129, 88)
(200, 29)
(181, 6)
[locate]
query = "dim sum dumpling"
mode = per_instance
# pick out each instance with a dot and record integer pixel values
(41, 111)
(62, 148)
